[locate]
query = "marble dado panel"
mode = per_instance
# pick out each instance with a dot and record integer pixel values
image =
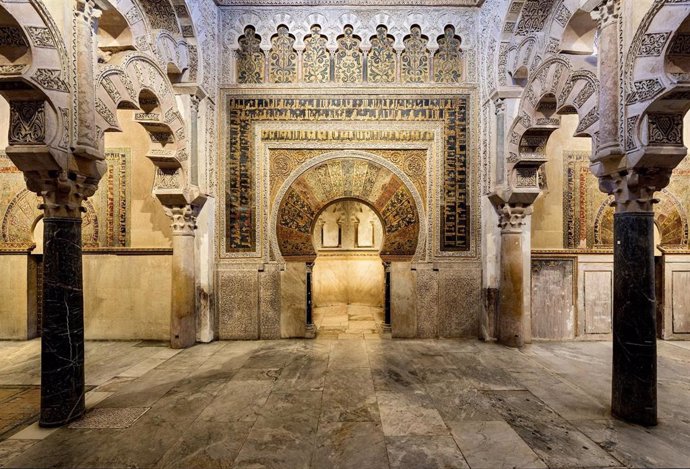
(553, 299)
(257, 126)
(675, 314)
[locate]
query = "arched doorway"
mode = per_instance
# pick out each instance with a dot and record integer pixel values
(348, 277)
(310, 190)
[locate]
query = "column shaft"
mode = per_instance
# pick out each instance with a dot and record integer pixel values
(62, 341)
(633, 395)
(183, 317)
(511, 293)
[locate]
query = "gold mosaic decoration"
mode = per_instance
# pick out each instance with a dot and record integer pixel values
(250, 58)
(316, 60)
(448, 59)
(347, 178)
(282, 60)
(451, 113)
(415, 57)
(283, 161)
(382, 57)
(348, 58)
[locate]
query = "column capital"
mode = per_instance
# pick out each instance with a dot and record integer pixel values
(633, 190)
(500, 106)
(86, 10)
(183, 219)
(606, 13)
(310, 267)
(511, 217)
(63, 194)
(194, 101)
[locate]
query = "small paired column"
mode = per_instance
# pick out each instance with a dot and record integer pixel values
(513, 282)
(387, 297)
(311, 328)
(183, 307)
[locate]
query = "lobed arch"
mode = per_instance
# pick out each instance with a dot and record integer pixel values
(374, 181)
(331, 28)
(554, 88)
(135, 81)
(164, 30)
(657, 84)
(528, 36)
(35, 77)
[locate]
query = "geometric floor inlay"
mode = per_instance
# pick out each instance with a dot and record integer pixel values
(115, 417)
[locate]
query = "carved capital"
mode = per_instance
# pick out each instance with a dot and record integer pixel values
(86, 11)
(511, 217)
(63, 192)
(183, 219)
(500, 106)
(608, 13)
(633, 190)
(310, 267)
(194, 103)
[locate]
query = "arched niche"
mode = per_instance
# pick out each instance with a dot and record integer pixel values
(363, 177)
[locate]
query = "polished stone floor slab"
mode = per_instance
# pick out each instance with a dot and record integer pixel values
(352, 402)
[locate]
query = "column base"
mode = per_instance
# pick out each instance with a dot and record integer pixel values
(310, 332)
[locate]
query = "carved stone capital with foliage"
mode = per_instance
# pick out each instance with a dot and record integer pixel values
(183, 219)
(63, 192)
(511, 217)
(633, 190)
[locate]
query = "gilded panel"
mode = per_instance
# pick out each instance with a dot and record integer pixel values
(282, 60)
(316, 60)
(250, 58)
(283, 161)
(381, 61)
(415, 57)
(448, 59)
(348, 58)
(241, 161)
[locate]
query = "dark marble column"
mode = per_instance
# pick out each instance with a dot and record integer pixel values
(311, 330)
(62, 342)
(634, 321)
(387, 298)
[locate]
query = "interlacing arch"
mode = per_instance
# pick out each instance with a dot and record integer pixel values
(553, 89)
(134, 81)
(657, 81)
(35, 77)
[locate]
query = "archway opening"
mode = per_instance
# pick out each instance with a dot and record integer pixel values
(348, 280)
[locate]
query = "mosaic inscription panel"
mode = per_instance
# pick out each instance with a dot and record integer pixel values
(240, 163)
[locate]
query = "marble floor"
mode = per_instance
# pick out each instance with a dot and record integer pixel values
(347, 321)
(359, 403)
